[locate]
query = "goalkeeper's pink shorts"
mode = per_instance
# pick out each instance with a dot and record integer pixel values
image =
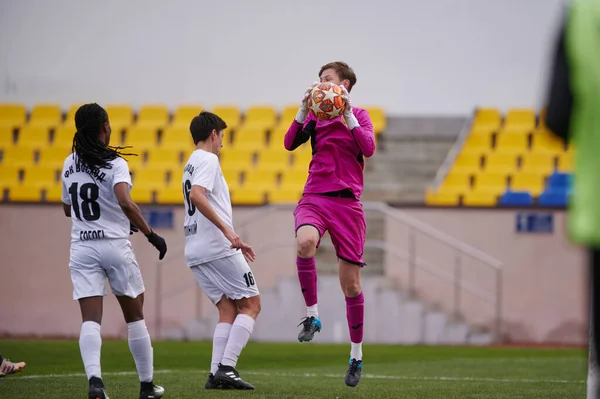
(343, 218)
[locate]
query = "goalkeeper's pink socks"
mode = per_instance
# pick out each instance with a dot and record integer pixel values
(355, 313)
(307, 275)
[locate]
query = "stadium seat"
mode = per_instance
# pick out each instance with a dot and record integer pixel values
(302, 156)
(260, 178)
(17, 156)
(120, 116)
(143, 195)
(231, 114)
(232, 174)
(177, 137)
(277, 136)
(252, 138)
(274, 158)
(173, 194)
(166, 157)
(294, 178)
(63, 136)
(500, 162)
(9, 175)
(467, 161)
(543, 140)
(140, 138)
(150, 176)
(441, 198)
(24, 193)
(490, 182)
(153, 116)
(512, 142)
(516, 198)
(478, 142)
(565, 162)
(41, 176)
(480, 198)
(540, 162)
(529, 182)
(455, 183)
(261, 117)
(520, 119)
(34, 136)
(559, 181)
(554, 198)
(288, 114)
(12, 115)
(70, 116)
(53, 157)
(236, 156)
(53, 193)
(378, 118)
(487, 119)
(6, 136)
(248, 196)
(45, 115)
(135, 161)
(182, 118)
(284, 195)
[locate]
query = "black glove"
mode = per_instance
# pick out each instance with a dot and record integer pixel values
(159, 243)
(133, 228)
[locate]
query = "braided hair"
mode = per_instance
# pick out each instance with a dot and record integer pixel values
(91, 152)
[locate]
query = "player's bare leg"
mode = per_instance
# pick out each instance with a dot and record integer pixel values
(307, 238)
(248, 310)
(228, 311)
(140, 345)
(90, 344)
(355, 312)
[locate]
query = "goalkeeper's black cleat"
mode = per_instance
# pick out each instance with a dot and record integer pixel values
(97, 390)
(228, 375)
(354, 373)
(211, 383)
(310, 326)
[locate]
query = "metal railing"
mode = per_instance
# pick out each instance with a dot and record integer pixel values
(461, 249)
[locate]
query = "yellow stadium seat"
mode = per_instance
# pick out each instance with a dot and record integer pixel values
(53, 193)
(277, 159)
(9, 175)
(177, 137)
(17, 156)
(491, 182)
(285, 195)
(542, 119)
(261, 178)
(378, 118)
(511, 142)
(441, 198)
(142, 195)
(63, 136)
(70, 116)
(539, 162)
(182, 118)
(277, 136)
(119, 116)
(467, 162)
(480, 198)
(543, 140)
(250, 138)
(6, 136)
(531, 182)
(288, 114)
(294, 178)
(455, 183)
(25, 193)
(232, 174)
(53, 157)
(565, 162)
(230, 114)
(140, 138)
(478, 142)
(155, 116)
(12, 115)
(264, 117)
(41, 176)
(34, 136)
(135, 161)
(166, 157)
(500, 161)
(46, 115)
(520, 118)
(153, 177)
(236, 156)
(248, 196)
(173, 194)
(302, 156)
(487, 118)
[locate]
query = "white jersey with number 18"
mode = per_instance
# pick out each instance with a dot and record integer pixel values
(204, 242)
(95, 211)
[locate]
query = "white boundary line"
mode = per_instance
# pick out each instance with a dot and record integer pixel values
(315, 375)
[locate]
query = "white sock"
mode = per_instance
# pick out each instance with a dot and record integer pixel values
(141, 349)
(220, 338)
(238, 338)
(312, 311)
(356, 351)
(90, 343)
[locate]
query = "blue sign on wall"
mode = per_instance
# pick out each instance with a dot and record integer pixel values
(159, 218)
(534, 222)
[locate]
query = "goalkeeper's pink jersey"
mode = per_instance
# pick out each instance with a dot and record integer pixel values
(337, 161)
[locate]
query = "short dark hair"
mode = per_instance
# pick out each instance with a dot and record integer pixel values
(203, 124)
(343, 70)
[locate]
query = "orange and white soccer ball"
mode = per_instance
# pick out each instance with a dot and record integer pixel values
(325, 101)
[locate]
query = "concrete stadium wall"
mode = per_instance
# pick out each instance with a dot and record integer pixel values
(544, 285)
(428, 57)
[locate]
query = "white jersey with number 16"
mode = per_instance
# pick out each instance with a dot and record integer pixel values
(95, 211)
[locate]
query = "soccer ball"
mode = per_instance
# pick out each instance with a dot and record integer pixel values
(325, 101)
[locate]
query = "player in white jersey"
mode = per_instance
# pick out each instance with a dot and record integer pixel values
(95, 195)
(216, 254)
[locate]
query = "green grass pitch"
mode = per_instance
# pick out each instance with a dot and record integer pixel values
(311, 371)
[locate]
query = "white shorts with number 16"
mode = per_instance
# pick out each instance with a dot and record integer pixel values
(230, 276)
